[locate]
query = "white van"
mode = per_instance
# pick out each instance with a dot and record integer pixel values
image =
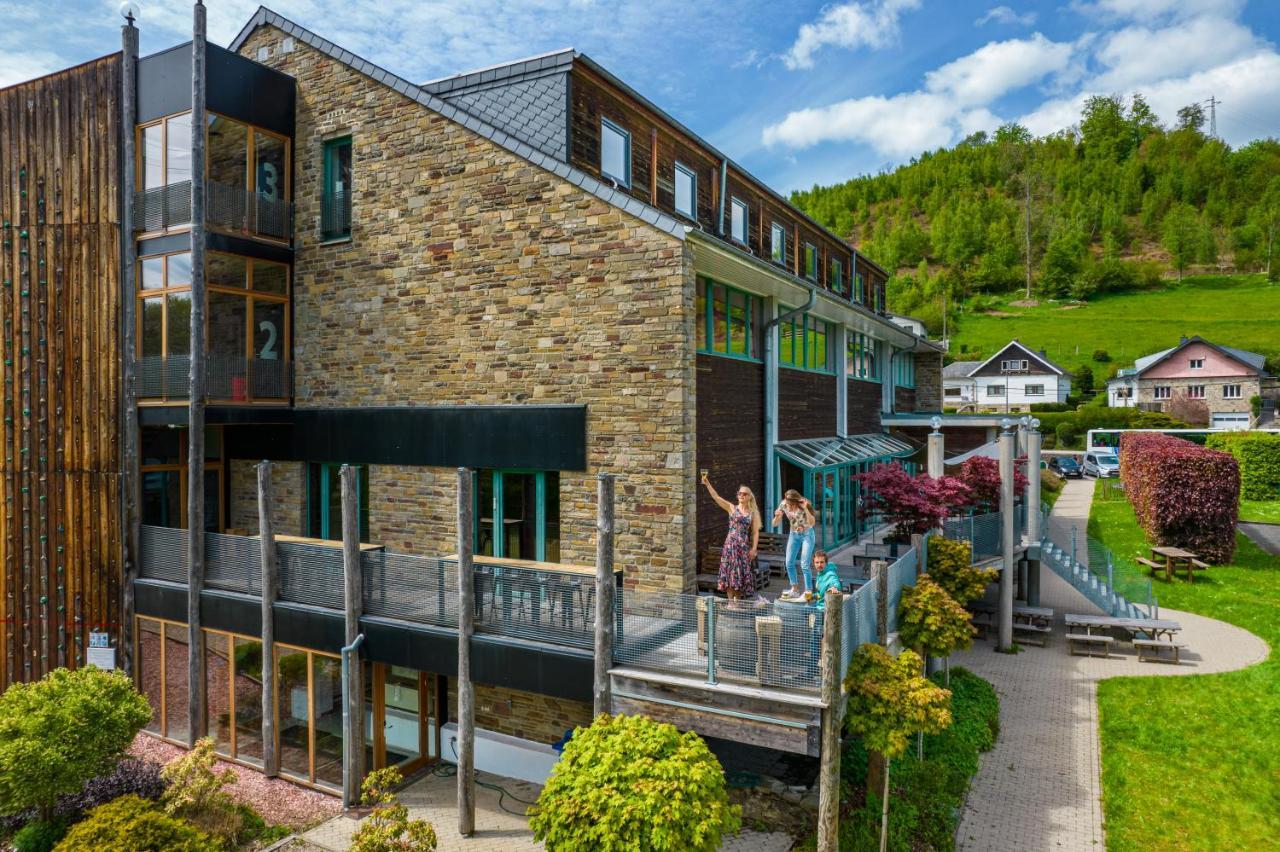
(1101, 464)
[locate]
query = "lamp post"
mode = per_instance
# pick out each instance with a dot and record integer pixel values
(1005, 625)
(935, 448)
(1032, 588)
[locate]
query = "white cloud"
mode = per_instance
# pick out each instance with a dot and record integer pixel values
(1137, 56)
(1147, 10)
(1000, 67)
(1005, 15)
(858, 24)
(19, 65)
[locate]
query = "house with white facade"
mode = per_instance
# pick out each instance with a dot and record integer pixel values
(1223, 377)
(1011, 380)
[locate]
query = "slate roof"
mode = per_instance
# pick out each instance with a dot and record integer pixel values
(960, 369)
(1250, 359)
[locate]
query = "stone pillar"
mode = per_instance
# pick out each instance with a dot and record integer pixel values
(1007, 440)
(1032, 589)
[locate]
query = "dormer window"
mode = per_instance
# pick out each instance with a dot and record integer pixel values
(615, 152)
(738, 218)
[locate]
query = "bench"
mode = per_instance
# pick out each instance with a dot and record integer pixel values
(1150, 563)
(1200, 565)
(1089, 642)
(1035, 634)
(1153, 650)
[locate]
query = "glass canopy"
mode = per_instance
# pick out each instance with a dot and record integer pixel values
(825, 452)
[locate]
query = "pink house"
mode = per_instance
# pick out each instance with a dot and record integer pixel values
(1225, 379)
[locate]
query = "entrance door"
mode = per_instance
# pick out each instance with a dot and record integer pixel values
(402, 718)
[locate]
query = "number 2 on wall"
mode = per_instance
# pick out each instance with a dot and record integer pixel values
(268, 352)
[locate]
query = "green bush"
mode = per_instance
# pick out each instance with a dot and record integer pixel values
(1255, 405)
(1259, 456)
(388, 827)
(136, 825)
(195, 793)
(1066, 434)
(1037, 407)
(628, 782)
(950, 564)
(39, 835)
(57, 733)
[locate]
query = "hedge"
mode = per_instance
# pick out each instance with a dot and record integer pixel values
(1259, 456)
(1184, 495)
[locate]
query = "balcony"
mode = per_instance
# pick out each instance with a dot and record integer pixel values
(231, 208)
(235, 380)
(335, 216)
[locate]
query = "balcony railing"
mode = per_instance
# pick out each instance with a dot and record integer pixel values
(335, 216)
(232, 207)
(226, 378)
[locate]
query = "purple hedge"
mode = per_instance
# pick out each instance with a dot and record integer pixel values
(1184, 495)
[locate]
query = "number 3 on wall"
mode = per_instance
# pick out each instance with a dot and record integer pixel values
(268, 352)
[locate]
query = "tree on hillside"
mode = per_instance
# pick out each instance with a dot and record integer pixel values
(1061, 264)
(1269, 219)
(1191, 117)
(1180, 236)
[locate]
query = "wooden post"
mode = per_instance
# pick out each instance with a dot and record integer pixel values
(1005, 618)
(352, 589)
(466, 692)
(270, 591)
(880, 576)
(829, 767)
(603, 699)
(195, 409)
(129, 394)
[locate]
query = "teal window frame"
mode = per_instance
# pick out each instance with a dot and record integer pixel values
(735, 204)
(811, 261)
(623, 180)
(753, 306)
(496, 512)
(329, 480)
(837, 275)
(804, 329)
(330, 168)
(778, 243)
(858, 284)
(904, 369)
(682, 169)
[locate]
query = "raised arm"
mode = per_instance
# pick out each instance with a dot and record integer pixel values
(720, 501)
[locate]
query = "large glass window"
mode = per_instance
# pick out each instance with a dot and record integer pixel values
(335, 201)
(228, 152)
(309, 726)
(729, 319)
(164, 478)
(324, 501)
(175, 680)
(149, 670)
(247, 695)
(615, 152)
(293, 727)
(164, 326)
(804, 344)
(248, 318)
(686, 191)
(860, 356)
(524, 507)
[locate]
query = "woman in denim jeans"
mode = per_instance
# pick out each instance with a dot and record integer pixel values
(800, 515)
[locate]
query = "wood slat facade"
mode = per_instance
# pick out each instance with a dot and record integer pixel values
(730, 438)
(60, 549)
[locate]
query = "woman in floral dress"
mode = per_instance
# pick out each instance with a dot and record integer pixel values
(736, 577)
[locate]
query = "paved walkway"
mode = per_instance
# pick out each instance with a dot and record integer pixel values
(1266, 536)
(434, 798)
(1040, 787)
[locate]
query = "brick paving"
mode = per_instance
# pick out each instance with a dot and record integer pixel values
(434, 798)
(1040, 787)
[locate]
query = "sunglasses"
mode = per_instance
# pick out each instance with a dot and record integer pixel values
(743, 494)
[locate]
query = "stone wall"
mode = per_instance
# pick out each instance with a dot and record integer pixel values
(528, 715)
(289, 493)
(474, 277)
(1213, 397)
(928, 381)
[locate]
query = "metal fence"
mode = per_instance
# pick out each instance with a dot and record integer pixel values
(163, 554)
(162, 207)
(233, 563)
(232, 207)
(310, 574)
(984, 532)
(236, 379)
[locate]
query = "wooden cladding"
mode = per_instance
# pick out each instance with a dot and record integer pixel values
(60, 571)
(806, 405)
(730, 439)
(656, 147)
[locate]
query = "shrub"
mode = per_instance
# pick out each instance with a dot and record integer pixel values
(1101, 356)
(195, 793)
(1255, 405)
(912, 504)
(1184, 495)
(627, 782)
(137, 825)
(140, 777)
(890, 700)
(388, 828)
(982, 475)
(1066, 435)
(930, 620)
(40, 835)
(1049, 406)
(1258, 454)
(57, 733)
(950, 564)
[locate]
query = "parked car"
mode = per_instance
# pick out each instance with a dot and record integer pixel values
(1101, 465)
(1066, 467)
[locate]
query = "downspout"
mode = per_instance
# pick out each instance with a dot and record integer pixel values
(724, 187)
(771, 369)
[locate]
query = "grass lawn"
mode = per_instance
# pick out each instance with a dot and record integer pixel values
(1262, 511)
(1233, 310)
(1194, 762)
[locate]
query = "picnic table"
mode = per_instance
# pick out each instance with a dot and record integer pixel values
(1173, 559)
(1034, 622)
(1155, 628)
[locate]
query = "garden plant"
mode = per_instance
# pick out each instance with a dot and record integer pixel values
(388, 828)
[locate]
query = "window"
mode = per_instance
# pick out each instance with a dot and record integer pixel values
(1196, 363)
(335, 202)
(525, 507)
(811, 261)
(995, 390)
(1195, 391)
(163, 471)
(233, 692)
(1014, 366)
(904, 370)
(778, 243)
(858, 284)
(248, 328)
(728, 321)
(951, 392)
(1230, 391)
(1034, 390)
(309, 720)
(804, 344)
(1162, 392)
(161, 676)
(836, 281)
(324, 501)
(615, 152)
(686, 191)
(248, 173)
(738, 219)
(860, 356)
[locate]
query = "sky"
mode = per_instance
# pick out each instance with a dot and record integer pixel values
(797, 92)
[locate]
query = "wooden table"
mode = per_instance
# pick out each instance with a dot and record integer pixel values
(1175, 558)
(1155, 628)
(335, 544)
(529, 576)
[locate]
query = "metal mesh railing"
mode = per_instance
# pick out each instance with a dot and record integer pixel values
(412, 588)
(765, 644)
(1111, 584)
(233, 563)
(310, 574)
(162, 207)
(226, 378)
(238, 209)
(163, 554)
(985, 532)
(858, 626)
(335, 216)
(538, 605)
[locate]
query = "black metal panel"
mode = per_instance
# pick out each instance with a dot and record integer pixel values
(248, 91)
(217, 241)
(519, 436)
(159, 599)
(164, 82)
(231, 612)
(309, 627)
(164, 245)
(176, 415)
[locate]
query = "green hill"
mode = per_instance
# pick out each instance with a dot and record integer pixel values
(1241, 311)
(1114, 205)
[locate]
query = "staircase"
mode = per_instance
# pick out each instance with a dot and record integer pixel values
(1097, 590)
